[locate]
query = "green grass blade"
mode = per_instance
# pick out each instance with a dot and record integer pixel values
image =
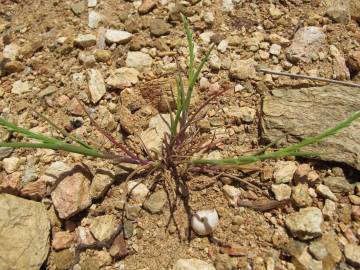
(292, 150)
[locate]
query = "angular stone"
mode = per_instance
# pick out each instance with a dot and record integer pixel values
(146, 6)
(352, 254)
(305, 224)
(301, 195)
(156, 201)
(62, 240)
(71, 195)
(123, 77)
(105, 227)
(297, 114)
(94, 19)
(11, 164)
(281, 192)
(239, 114)
(243, 69)
(117, 36)
(325, 192)
(329, 209)
(338, 184)
(100, 184)
(159, 28)
(24, 233)
(20, 87)
(284, 171)
(11, 52)
(56, 170)
(307, 42)
(138, 60)
(96, 85)
(11, 183)
(78, 7)
(232, 194)
(192, 264)
(64, 259)
(339, 11)
(152, 136)
(34, 190)
(119, 247)
(13, 67)
(138, 191)
(85, 41)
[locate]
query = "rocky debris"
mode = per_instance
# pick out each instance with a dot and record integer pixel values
(96, 85)
(56, 170)
(147, 6)
(329, 209)
(11, 52)
(305, 224)
(352, 254)
(92, 3)
(156, 202)
(119, 248)
(340, 70)
(353, 61)
(138, 60)
(240, 114)
(104, 228)
(325, 192)
(338, 184)
(122, 77)
(225, 262)
(301, 195)
(137, 190)
(24, 233)
(280, 117)
(62, 240)
(281, 192)
(301, 173)
(85, 41)
(84, 236)
(302, 259)
(232, 194)
(11, 164)
(20, 87)
(35, 190)
(159, 28)
(11, 183)
(71, 195)
(100, 184)
(117, 36)
(307, 42)
(153, 135)
(192, 264)
(339, 11)
(5, 152)
(64, 259)
(243, 69)
(318, 250)
(284, 171)
(13, 67)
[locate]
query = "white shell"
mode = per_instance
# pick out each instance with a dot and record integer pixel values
(204, 222)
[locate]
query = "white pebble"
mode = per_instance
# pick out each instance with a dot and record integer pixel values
(204, 222)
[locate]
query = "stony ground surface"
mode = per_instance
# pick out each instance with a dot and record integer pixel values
(64, 211)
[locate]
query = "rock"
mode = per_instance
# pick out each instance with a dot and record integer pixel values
(88, 60)
(24, 233)
(13, 67)
(71, 195)
(137, 190)
(11, 183)
(281, 192)
(147, 6)
(338, 184)
(355, 10)
(78, 7)
(100, 184)
(85, 41)
(281, 117)
(62, 240)
(305, 224)
(132, 99)
(329, 209)
(223, 46)
(105, 227)
(325, 192)
(209, 17)
(225, 262)
(340, 70)
(117, 36)
(243, 69)
(96, 85)
(5, 152)
(94, 19)
(240, 114)
(34, 190)
(119, 247)
(51, 89)
(301, 196)
(92, 3)
(156, 202)
(56, 170)
(153, 135)
(354, 199)
(284, 171)
(339, 11)
(227, 6)
(318, 250)
(305, 261)
(301, 173)
(84, 236)
(232, 194)
(102, 55)
(20, 87)
(123, 77)
(11, 52)
(215, 62)
(353, 61)
(64, 259)
(307, 42)
(275, 49)
(138, 60)
(11, 164)
(159, 28)
(192, 264)
(352, 254)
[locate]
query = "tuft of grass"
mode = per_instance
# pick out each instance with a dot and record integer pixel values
(181, 143)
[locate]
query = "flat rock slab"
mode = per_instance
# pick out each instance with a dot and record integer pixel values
(305, 112)
(24, 233)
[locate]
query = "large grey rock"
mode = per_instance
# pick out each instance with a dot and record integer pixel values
(24, 233)
(301, 113)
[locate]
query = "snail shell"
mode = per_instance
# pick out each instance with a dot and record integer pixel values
(204, 222)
